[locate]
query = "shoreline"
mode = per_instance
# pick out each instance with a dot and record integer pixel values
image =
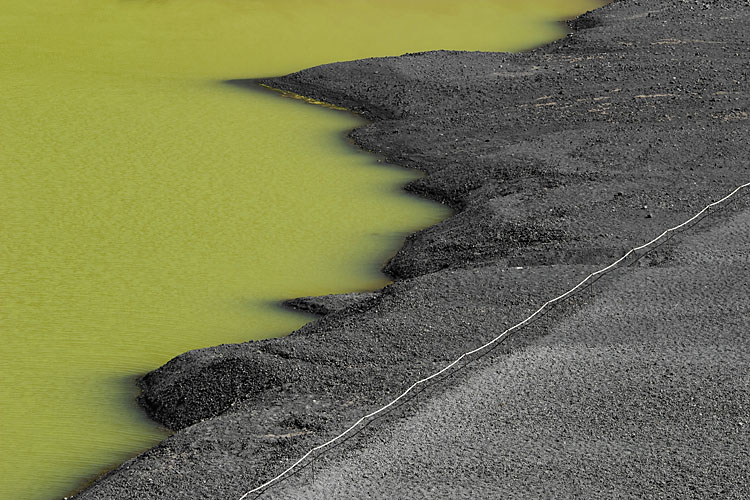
(534, 151)
(624, 395)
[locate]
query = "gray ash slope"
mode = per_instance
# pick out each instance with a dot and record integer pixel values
(557, 160)
(641, 391)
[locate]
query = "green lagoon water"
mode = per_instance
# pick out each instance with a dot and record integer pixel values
(147, 209)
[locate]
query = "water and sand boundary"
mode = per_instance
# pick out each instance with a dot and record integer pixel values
(150, 209)
(555, 160)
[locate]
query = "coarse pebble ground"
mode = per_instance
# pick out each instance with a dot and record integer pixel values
(642, 391)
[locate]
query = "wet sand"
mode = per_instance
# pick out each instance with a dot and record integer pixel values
(556, 160)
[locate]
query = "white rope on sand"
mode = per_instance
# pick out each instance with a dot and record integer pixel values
(492, 342)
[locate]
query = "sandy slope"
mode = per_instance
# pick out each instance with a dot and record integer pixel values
(643, 391)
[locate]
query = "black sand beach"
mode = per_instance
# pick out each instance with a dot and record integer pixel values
(639, 391)
(556, 162)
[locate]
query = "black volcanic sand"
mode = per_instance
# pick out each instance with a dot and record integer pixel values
(643, 391)
(556, 160)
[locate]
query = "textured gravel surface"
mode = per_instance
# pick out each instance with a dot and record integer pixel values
(642, 392)
(555, 160)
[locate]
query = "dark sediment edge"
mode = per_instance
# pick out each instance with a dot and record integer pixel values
(555, 160)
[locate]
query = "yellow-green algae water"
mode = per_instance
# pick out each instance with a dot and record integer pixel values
(147, 209)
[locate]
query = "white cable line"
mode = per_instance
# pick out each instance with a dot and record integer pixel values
(491, 342)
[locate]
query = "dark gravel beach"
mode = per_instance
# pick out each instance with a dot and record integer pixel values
(556, 161)
(641, 391)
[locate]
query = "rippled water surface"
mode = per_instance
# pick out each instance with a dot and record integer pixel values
(147, 209)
